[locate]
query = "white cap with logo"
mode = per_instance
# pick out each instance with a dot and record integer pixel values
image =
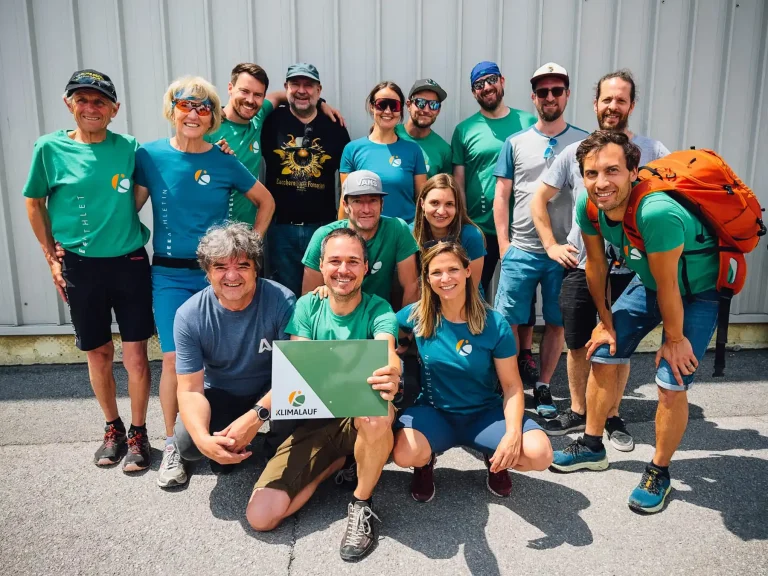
(549, 69)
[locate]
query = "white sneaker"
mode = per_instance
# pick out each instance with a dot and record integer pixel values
(172, 471)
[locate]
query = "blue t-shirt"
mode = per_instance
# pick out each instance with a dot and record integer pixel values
(471, 239)
(457, 369)
(234, 348)
(396, 164)
(189, 192)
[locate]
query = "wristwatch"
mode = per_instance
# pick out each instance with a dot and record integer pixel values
(261, 412)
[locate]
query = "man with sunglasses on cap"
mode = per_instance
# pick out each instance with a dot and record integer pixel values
(302, 153)
(80, 192)
(424, 102)
(525, 265)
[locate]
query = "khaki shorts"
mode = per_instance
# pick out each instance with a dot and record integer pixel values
(307, 453)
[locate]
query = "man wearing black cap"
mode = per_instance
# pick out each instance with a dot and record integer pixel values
(424, 102)
(80, 192)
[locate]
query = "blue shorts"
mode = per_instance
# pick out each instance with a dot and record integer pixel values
(521, 273)
(171, 287)
(481, 430)
(636, 313)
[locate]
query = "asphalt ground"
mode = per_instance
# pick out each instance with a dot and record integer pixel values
(60, 514)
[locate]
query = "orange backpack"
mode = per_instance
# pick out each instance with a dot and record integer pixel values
(703, 183)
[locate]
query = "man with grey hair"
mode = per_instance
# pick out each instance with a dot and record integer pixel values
(223, 337)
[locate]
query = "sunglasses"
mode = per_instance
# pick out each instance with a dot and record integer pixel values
(186, 106)
(432, 243)
(480, 84)
(556, 92)
(422, 103)
(383, 103)
(549, 152)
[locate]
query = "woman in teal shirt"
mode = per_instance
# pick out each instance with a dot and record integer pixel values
(466, 351)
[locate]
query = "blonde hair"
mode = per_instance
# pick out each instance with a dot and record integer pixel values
(426, 314)
(193, 87)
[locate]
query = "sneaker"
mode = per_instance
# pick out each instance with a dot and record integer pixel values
(650, 494)
(576, 456)
(565, 423)
(545, 406)
(113, 448)
(139, 456)
(618, 435)
(499, 483)
(423, 482)
(361, 535)
(347, 476)
(172, 471)
(529, 373)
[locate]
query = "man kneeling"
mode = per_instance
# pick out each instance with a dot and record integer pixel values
(317, 449)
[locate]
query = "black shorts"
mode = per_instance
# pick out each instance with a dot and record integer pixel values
(96, 286)
(578, 308)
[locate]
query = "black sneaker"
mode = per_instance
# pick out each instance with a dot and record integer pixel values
(565, 423)
(618, 435)
(545, 406)
(139, 456)
(113, 448)
(361, 535)
(529, 373)
(347, 476)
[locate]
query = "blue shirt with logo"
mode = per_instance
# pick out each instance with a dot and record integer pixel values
(457, 369)
(189, 192)
(396, 164)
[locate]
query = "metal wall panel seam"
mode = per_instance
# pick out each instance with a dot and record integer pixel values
(499, 29)
(539, 34)
(760, 97)
(693, 16)
(250, 14)
(616, 35)
(75, 13)
(459, 54)
(208, 35)
(574, 86)
(419, 36)
(377, 40)
(165, 39)
(34, 67)
(337, 50)
(726, 71)
(652, 66)
(11, 274)
(294, 24)
(122, 64)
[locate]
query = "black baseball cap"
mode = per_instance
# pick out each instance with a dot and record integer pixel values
(93, 80)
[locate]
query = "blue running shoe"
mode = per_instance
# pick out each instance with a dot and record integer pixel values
(576, 456)
(545, 406)
(649, 496)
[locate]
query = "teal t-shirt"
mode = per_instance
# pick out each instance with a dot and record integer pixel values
(663, 224)
(476, 144)
(437, 152)
(245, 141)
(471, 239)
(392, 243)
(313, 319)
(90, 193)
(457, 369)
(396, 164)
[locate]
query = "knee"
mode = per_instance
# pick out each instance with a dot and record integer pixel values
(669, 399)
(135, 359)
(539, 452)
(102, 356)
(169, 362)
(373, 429)
(407, 456)
(264, 512)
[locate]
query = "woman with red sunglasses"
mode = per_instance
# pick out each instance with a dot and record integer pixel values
(399, 163)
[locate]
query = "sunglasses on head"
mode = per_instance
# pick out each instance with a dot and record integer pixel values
(186, 106)
(557, 91)
(549, 152)
(432, 243)
(480, 84)
(422, 103)
(382, 104)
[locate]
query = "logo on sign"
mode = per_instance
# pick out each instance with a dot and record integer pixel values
(296, 398)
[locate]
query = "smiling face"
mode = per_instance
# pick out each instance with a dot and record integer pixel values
(550, 108)
(607, 179)
(91, 109)
(490, 96)
(614, 105)
(423, 117)
(364, 212)
(386, 119)
(190, 124)
(439, 207)
(302, 94)
(233, 281)
(343, 267)
(448, 277)
(246, 96)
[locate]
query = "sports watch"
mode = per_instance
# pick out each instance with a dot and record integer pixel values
(261, 412)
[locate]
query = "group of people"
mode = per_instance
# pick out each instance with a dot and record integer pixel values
(408, 258)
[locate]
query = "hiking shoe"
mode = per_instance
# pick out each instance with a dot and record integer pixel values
(529, 373)
(172, 471)
(649, 496)
(423, 481)
(361, 535)
(139, 456)
(576, 456)
(618, 435)
(113, 448)
(347, 476)
(545, 406)
(568, 421)
(499, 483)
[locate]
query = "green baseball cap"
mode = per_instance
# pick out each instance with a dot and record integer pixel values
(428, 84)
(303, 69)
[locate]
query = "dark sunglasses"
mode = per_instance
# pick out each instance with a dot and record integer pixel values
(422, 103)
(186, 106)
(432, 243)
(480, 84)
(383, 103)
(556, 92)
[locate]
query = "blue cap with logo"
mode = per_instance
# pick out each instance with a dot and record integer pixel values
(483, 69)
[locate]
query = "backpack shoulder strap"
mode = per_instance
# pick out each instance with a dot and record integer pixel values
(592, 214)
(639, 191)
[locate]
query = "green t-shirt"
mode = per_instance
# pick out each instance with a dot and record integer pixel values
(476, 144)
(437, 152)
(313, 319)
(245, 141)
(663, 224)
(391, 244)
(90, 193)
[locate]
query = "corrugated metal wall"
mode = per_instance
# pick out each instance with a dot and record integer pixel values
(700, 66)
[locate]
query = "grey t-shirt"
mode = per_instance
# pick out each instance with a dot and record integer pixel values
(564, 175)
(524, 158)
(234, 348)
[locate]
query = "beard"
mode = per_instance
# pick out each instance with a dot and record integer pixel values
(549, 116)
(240, 110)
(499, 93)
(345, 297)
(620, 126)
(423, 121)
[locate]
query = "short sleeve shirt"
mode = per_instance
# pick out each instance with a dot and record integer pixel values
(471, 239)
(313, 319)
(437, 152)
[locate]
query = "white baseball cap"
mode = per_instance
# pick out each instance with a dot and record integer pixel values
(550, 69)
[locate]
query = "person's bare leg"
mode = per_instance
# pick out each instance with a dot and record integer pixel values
(103, 380)
(621, 384)
(671, 422)
(136, 364)
(551, 349)
(168, 401)
(525, 337)
(601, 395)
(535, 452)
(372, 449)
(412, 449)
(578, 374)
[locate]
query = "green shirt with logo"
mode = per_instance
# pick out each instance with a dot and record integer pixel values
(89, 188)
(437, 152)
(476, 144)
(391, 244)
(663, 224)
(245, 141)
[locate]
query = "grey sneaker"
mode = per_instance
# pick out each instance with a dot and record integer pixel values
(618, 435)
(172, 471)
(361, 535)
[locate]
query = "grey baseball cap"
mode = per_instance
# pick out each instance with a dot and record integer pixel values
(361, 183)
(303, 69)
(428, 84)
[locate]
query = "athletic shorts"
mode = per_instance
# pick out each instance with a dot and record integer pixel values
(97, 286)
(171, 287)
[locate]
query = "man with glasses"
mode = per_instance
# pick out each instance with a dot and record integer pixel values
(302, 154)
(424, 102)
(525, 264)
